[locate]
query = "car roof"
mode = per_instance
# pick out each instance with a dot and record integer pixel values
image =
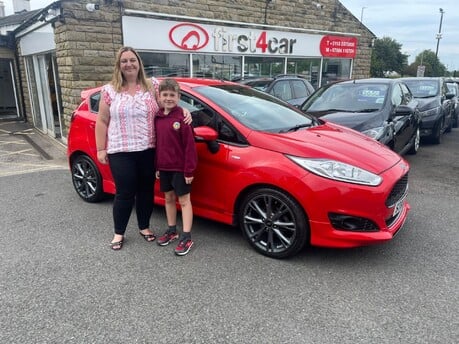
(369, 81)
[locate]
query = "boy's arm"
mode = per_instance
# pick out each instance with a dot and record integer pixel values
(191, 156)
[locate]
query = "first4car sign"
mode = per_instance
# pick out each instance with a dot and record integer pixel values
(204, 38)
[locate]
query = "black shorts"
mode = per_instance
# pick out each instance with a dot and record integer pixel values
(171, 180)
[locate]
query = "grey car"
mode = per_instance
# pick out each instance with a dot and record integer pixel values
(290, 88)
(434, 105)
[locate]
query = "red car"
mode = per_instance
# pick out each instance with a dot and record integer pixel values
(285, 178)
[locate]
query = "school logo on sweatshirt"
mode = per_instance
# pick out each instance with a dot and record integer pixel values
(176, 125)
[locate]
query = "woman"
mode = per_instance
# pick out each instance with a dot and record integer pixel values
(125, 139)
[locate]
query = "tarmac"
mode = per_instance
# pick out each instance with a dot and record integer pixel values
(24, 149)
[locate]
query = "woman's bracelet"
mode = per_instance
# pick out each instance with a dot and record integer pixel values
(100, 150)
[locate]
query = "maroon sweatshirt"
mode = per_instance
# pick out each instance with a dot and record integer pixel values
(175, 147)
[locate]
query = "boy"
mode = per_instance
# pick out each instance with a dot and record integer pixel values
(176, 160)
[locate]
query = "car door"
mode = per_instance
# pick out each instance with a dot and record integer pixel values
(404, 126)
(214, 184)
(445, 104)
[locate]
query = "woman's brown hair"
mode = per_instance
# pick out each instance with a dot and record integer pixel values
(118, 78)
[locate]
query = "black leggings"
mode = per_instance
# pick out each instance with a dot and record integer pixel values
(134, 177)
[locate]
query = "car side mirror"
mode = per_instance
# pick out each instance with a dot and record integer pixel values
(449, 95)
(209, 136)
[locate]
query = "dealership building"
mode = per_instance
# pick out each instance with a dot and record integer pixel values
(48, 56)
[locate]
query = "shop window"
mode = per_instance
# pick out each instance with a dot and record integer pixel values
(306, 67)
(165, 64)
(335, 70)
(258, 66)
(226, 67)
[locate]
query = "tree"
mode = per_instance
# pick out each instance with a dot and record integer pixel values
(427, 58)
(387, 57)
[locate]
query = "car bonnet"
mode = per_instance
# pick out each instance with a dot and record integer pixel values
(330, 141)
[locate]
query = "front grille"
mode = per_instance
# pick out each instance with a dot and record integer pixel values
(398, 191)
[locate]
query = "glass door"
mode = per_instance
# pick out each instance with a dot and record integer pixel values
(44, 93)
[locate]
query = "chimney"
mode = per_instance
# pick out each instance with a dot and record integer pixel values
(2, 9)
(21, 6)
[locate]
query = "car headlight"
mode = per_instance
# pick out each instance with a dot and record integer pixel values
(336, 170)
(430, 112)
(374, 133)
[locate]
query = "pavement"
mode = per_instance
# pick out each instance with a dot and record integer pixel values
(25, 149)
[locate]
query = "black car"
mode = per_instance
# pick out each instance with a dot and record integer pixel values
(434, 105)
(383, 109)
(453, 87)
(290, 88)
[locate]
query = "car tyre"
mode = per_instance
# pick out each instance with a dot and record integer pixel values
(438, 133)
(273, 223)
(86, 179)
(450, 126)
(416, 143)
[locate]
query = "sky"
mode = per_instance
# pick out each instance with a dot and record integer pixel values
(412, 23)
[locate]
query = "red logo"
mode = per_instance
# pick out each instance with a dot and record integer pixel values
(188, 36)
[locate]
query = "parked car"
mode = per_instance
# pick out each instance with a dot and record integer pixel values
(434, 105)
(453, 87)
(285, 178)
(291, 88)
(383, 109)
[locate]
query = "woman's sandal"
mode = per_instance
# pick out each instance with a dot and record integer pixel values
(148, 237)
(117, 245)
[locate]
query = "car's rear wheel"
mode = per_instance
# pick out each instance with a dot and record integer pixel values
(86, 179)
(273, 223)
(416, 142)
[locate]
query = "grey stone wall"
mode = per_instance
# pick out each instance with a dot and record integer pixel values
(86, 42)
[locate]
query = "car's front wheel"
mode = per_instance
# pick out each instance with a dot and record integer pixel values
(273, 223)
(86, 179)
(416, 142)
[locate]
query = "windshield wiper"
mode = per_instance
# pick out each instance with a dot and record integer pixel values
(367, 110)
(296, 127)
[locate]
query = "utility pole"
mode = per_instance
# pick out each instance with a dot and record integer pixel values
(439, 35)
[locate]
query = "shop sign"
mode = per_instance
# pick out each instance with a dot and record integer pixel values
(338, 46)
(192, 37)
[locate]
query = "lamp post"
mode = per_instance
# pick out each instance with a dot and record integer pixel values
(361, 15)
(439, 35)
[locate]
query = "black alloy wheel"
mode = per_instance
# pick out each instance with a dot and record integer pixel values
(273, 223)
(86, 179)
(416, 143)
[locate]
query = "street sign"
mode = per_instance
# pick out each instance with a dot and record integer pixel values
(421, 70)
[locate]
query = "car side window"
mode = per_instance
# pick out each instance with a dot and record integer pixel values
(397, 95)
(299, 88)
(94, 102)
(407, 96)
(282, 90)
(204, 116)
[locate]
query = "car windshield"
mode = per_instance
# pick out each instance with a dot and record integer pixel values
(348, 97)
(423, 88)
(256, 110)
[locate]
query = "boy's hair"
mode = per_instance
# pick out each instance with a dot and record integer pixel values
(169, 85)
